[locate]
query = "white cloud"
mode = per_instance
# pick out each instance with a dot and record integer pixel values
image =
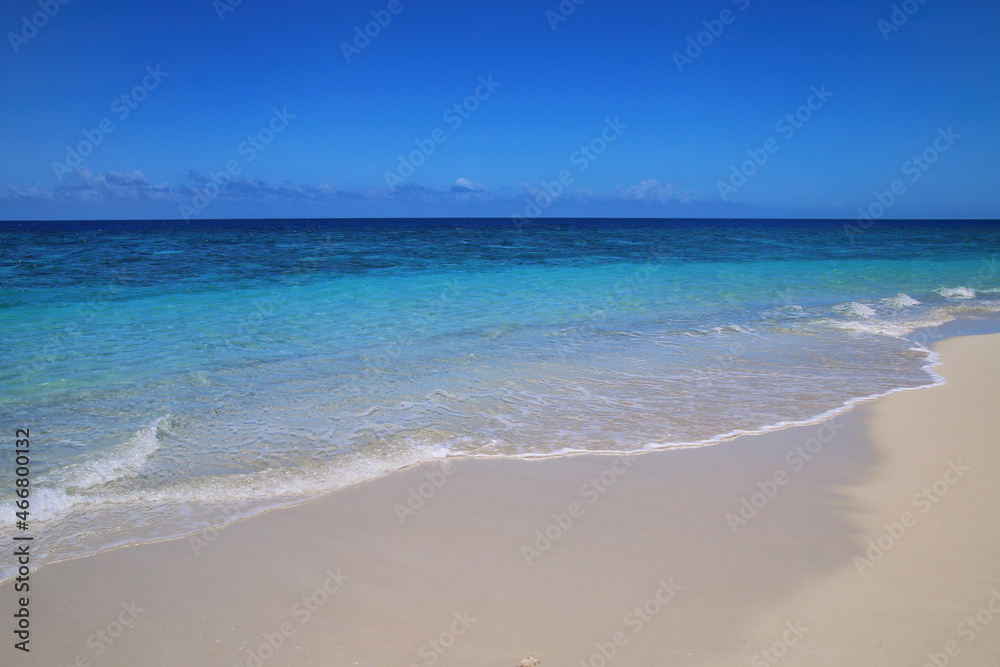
(651, 190)
(465, 185)
(34, 194)
(84, 185)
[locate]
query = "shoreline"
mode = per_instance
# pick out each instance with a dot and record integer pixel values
(959, 326)
(558, 560)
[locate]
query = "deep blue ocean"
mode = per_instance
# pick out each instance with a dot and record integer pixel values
(178, 375)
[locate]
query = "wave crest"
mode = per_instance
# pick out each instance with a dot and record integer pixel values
(957, 292)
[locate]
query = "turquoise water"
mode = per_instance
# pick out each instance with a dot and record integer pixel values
(179, 375)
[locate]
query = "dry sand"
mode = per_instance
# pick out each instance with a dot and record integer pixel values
(649, 564)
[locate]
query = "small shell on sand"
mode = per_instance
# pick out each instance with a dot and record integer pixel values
(527, 662)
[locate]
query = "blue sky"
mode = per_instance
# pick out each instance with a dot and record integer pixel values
(724, 108)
